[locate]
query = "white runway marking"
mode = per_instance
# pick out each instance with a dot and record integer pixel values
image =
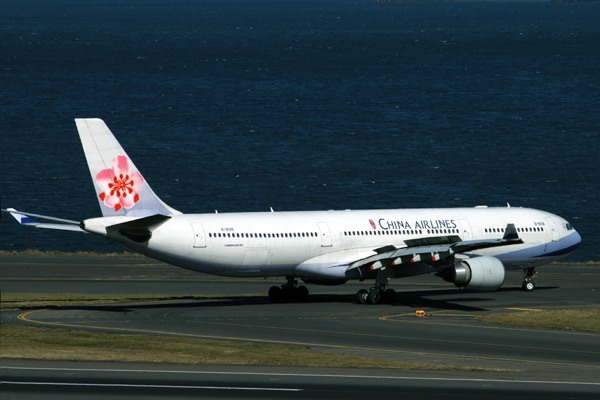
(310, 375)
(125, 385)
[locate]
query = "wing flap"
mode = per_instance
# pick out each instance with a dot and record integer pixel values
(434, 249)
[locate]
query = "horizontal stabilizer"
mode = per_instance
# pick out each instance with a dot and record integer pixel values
(27, 219)
(139, 230)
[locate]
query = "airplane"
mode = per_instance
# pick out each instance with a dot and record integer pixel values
(470, 247)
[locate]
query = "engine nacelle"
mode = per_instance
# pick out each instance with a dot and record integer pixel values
(485, 274)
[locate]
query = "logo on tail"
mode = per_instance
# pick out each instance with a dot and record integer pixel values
(119, 186)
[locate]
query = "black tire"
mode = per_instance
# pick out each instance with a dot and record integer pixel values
(288, 294)
(302, 294)
(274, 294)
(361, 296)
(528, 286)
(389, 296)
(374, 296)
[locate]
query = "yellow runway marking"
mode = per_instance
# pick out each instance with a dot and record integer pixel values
(24, 315)
(523, 309)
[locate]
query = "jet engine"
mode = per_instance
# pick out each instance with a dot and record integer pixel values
(485, 274)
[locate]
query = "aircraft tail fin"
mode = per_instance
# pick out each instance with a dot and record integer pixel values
(120, 188)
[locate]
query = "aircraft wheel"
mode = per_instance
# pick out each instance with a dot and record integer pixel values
(361, 296)
(274, 294)
(374, 296)
(302, 293)
(288, 294)
(389, 296)
(528, 286)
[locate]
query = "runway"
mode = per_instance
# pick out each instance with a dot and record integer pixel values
(103, 380)
(237, 309)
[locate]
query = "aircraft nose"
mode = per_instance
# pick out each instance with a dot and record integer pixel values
(576, 238)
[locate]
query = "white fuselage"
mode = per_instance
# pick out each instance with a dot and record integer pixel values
(319, 244)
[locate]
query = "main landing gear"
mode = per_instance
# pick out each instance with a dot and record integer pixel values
(528, 285)
(289, 292)
(376, 295)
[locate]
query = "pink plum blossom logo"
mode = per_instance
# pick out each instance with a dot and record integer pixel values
(119, 185)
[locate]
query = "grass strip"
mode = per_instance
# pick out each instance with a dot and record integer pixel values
(36, 252)
(583, 320)
(23, 301)
(24, 342)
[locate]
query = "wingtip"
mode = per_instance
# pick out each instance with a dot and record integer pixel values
(510, 232)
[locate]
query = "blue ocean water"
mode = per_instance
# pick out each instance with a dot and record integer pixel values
(329, 104)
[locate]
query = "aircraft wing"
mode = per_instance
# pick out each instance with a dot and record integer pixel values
(27, 219)
(433, 249)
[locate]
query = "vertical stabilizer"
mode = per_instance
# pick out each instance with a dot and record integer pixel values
(120, 188)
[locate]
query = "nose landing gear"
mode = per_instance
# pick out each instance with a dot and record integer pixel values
(289, 292)
(528, 285)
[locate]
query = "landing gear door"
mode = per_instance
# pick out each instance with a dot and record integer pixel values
(325, 234)
(199, 237)
(553, 229)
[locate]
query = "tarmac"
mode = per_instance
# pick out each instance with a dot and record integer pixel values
(331, 320)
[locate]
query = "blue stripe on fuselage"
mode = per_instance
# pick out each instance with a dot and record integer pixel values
(564, 246)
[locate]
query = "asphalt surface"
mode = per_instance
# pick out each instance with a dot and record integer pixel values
(237, 309)
(104, 380)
